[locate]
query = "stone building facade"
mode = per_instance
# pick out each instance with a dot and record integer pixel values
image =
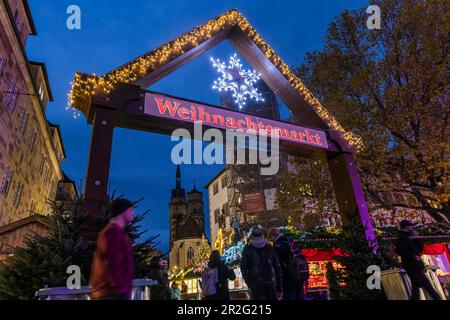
(67, 191)
(31, 148)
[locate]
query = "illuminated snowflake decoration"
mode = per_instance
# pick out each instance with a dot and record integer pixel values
(240, 82)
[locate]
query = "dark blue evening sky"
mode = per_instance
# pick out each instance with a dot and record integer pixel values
(114, 32)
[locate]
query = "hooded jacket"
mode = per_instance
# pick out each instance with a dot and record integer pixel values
(259, 264)
(283, 250)
(225, 274)
(409, 249)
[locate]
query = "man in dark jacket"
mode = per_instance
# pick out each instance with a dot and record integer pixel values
(292, 286)
(260, 268)
(409, 250)
(112, 271)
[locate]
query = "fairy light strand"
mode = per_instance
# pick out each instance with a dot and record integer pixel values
(87, 85)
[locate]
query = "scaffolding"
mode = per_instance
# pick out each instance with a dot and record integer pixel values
(246, 179)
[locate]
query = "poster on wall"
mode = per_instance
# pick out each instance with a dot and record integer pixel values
(252, 202)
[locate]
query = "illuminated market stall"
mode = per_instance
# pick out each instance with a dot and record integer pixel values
(321, 250)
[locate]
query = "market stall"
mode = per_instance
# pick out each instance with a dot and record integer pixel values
(437, 260)
(321, 248)
(317, 287)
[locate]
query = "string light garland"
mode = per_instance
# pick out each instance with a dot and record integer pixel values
(85, 85)
(234, 78)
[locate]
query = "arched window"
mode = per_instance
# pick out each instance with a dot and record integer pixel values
(190, 255)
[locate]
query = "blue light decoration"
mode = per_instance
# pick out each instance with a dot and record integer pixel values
(234, 78)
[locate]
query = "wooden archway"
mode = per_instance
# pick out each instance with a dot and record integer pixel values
(117, 99)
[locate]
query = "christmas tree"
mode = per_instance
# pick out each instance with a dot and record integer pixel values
(201, 255)
(350, 282)
(43, 262)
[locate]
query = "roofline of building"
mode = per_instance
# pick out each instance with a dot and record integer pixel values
(44, 72)
(195, 191)
(68, 180)
(26, 5)
(187, 238)
(20, 223)
(214, 179)
(58, 130)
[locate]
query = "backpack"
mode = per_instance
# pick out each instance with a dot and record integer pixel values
(298, 267)
(261, 264)
(209, 279)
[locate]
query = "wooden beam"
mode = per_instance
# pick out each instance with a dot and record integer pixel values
(97, 177)
(350, 195)
(178, 62)
(275, 80)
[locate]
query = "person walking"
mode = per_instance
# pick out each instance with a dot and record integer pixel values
(217, 270)
(184, 287)
(409, 250)
(175, 292)
(293, 264)
(112, 270)
(260, 268)
(159, 273)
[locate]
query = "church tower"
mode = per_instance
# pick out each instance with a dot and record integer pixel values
(187, 225)
(195, 207)
(177, 208)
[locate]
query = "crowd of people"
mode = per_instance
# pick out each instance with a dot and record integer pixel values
(273, 272)
(276, 271)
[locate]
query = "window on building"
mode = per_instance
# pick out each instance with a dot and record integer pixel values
(18, 195)
(23, 121)
(11, 96)
(216, 215)
(54, 189)
(32, 140)
(225, 209)
(41, 93)
(224, 181)
(2, 64)
(216, 188)
(19, 21)
(41, 164)
(6, 181)
(190, 255)
(49, 176)
(45, 175)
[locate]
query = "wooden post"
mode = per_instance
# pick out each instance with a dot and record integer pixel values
(96, 187)
(350, 195)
